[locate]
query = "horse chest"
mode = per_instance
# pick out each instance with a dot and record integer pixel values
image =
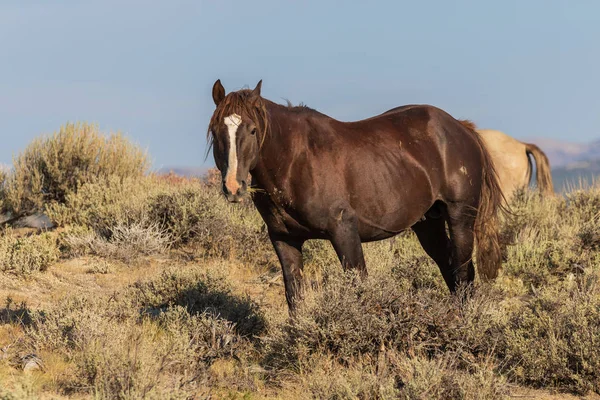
(281, 217)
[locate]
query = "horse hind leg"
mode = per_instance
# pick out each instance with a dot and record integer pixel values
(461, 223)
(453, 254)
(431, 233)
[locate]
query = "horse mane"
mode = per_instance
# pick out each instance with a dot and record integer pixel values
(243, 104)
(467, 123)
(299, 108)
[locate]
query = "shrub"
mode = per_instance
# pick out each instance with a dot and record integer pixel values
(442, 378)
(50, 168)
(104, 204)
(554, 339)
(125, 243)
(548, 338)
(388, 338)
(586, 203)
(328, 379)
(3, 178)
(200, 293)
(188, 212)
(196, 213)
(116, 349)
(27, 254)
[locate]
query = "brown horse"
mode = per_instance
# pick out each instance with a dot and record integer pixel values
(351, 182)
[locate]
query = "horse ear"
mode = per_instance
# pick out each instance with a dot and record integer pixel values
(256, 91)
(218, 92)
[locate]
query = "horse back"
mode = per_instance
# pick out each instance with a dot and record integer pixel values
(448, 152)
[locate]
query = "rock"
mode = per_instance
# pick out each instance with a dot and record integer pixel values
(31, 362)
(37, 221)
(5, 217)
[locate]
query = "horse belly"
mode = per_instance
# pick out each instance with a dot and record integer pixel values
(390, 202)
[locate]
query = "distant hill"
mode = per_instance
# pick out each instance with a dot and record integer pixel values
(186, 171)
(576, 174)
(562, 154)
(572, 164)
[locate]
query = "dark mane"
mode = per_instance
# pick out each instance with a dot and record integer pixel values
(255, 109)
(243, 104)
(468, 124)
(299, 108)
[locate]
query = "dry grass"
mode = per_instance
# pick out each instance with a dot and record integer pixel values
(157, 288)
(187, 214)
(219, 327)
(125, 242)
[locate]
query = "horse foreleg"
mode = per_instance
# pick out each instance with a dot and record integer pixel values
(289, 252)
(346, 241)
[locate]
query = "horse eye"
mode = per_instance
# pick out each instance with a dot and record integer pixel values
(253, 131)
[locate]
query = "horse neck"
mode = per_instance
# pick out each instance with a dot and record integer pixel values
(280, 145)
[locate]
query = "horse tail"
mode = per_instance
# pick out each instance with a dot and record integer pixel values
(487, 222)
(543, 175)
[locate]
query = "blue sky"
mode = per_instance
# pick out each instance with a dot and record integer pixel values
(146, 68)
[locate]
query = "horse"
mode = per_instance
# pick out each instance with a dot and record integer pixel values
(513, 164)
(313, 177)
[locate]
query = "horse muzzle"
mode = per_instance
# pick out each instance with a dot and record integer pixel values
(236, 194)
(234, 198)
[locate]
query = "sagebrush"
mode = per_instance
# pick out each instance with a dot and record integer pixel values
(211, 319)
(52, 167)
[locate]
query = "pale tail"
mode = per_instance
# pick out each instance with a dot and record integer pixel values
(543, 176)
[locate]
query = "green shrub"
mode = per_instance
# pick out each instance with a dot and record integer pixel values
(442, 378)
(187, 213)
(27, 254)
(537, 325)
(196, 213)
(328, 379)
(51, 168)
(102, 204)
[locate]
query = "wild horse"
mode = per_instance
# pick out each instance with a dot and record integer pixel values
(512, 162)
(351, 182)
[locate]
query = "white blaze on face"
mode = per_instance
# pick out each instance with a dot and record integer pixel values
(232, 122)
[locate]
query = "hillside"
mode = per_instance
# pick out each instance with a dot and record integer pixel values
(573, 164)
(582, 173)
(186, 171)
(562, 153)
